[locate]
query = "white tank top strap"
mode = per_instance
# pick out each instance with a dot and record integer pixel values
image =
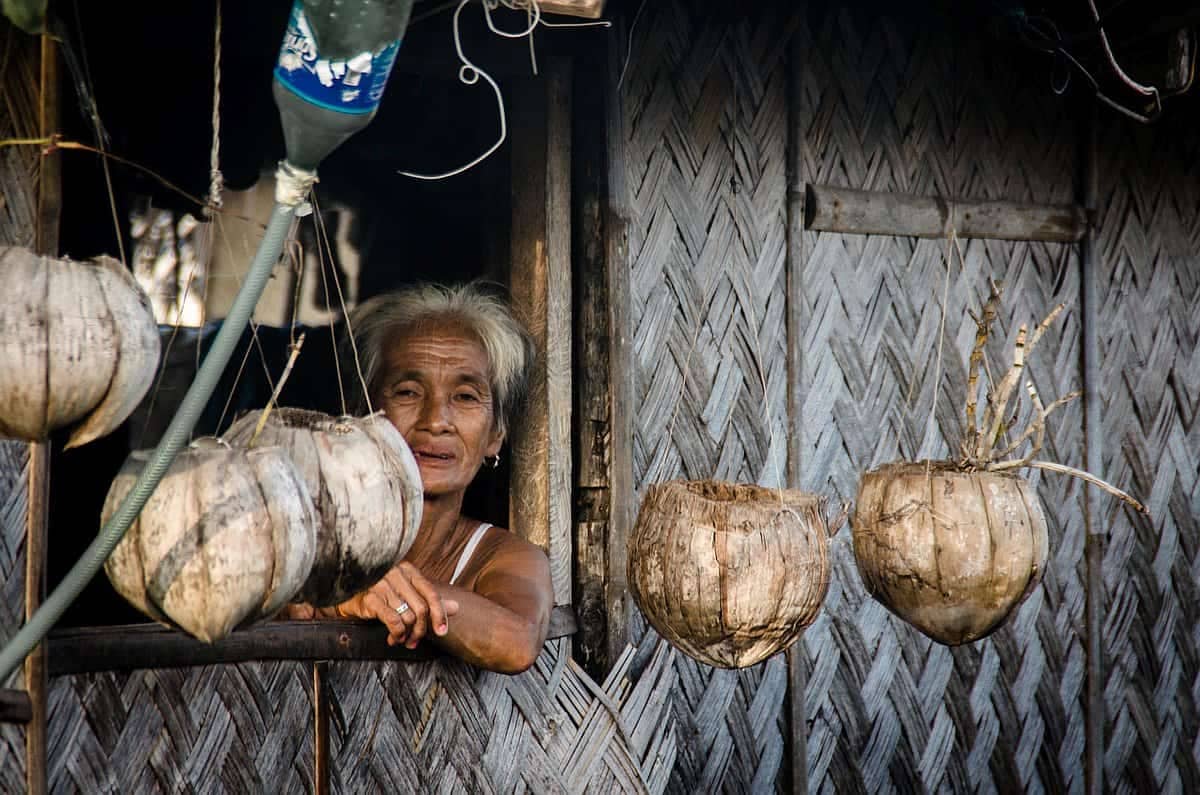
(469, 550)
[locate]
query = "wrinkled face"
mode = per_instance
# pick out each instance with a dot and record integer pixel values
(435, 390)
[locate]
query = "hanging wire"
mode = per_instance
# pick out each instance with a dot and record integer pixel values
(337, 283)
(1040, 33)
(322, 249)
(216, 178)
(469, 72)
(88, 98)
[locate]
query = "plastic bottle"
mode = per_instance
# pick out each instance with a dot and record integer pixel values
(332, 69)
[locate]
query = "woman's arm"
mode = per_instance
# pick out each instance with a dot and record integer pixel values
(502, 624)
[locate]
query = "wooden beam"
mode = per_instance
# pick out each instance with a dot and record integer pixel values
(797, 740)
(588, 9)
(864, 212)
(593, 334)
(320, 697)
(540, 502)
(15, 706)
(136, 646)
(621, 494)
(37, 512)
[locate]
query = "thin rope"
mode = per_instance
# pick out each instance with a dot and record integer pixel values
(469, 72)
(629, 46)
(216, 179)
(94, 113)
(349, 332)
(320, 228)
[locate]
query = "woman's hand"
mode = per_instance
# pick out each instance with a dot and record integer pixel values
(403, 585)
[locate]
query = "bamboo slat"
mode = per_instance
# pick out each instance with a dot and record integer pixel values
(221, 728)
(444, 726)
(703, 106)
(19, 108)
(1149, 381)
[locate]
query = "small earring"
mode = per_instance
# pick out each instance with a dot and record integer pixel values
(493, 462)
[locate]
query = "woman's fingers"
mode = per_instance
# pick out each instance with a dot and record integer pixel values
(417, 614)
(380, 602)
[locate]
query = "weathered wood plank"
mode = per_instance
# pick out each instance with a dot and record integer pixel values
(591, 348)
(134, 646)
(588, 9)
(541, 293)
(867, 212)
(796, 387)
(621, 497)
(15, 706)
(37, 517)
(320, 728)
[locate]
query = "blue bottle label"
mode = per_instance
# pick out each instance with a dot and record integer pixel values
(354, 85)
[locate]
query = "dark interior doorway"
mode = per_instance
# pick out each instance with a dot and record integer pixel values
(147, 70)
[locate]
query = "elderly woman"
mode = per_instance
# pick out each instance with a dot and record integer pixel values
(447, 365)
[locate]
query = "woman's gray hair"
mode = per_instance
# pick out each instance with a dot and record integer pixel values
(477, 306)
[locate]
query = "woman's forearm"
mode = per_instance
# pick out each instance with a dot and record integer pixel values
(489, 635)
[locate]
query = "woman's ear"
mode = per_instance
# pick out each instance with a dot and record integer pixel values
(494, 443)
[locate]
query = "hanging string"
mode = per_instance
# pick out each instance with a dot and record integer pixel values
(469, 72)
(216, 181)
(93, 113)
(322, 237)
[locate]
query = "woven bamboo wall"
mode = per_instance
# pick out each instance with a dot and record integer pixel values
(705, 130)
(904, 103)
(1149, 217)
(446, 727)
(438, 726)
(230, 728)
(19, 59)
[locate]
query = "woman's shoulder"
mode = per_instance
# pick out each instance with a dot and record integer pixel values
(501, 540)
(502, 549)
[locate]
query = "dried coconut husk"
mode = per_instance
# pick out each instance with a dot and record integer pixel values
(952, 552)
(365, 485)
(228, 537)
(78, 345)
(729, 574)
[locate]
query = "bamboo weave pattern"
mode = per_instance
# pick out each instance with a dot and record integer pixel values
(231, 728)
(1149, 289)
(443, 726)
(705, 107)
(911, 105)
(19, 59)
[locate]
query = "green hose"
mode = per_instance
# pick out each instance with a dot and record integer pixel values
(175, 437)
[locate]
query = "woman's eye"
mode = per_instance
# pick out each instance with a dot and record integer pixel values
(469, 397)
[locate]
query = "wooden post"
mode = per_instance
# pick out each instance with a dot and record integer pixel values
(320, 729)
(620, 359)
(49, 202)
(794, 305)
(1089, 274)
(865, 212)
(540, 505)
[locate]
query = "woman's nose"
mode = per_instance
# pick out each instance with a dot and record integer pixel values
(435, 413)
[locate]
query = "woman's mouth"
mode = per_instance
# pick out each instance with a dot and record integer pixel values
(433, 458)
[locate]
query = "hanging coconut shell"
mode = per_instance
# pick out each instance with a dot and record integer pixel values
(365, 485)
(729, 574)
(78, 345)
(951, 552)
(228, 537)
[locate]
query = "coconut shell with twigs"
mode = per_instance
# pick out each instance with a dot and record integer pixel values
(228, 537)
(953, 547)
(949, 551)
(364, 483)
(78, 346)
(729, 574)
